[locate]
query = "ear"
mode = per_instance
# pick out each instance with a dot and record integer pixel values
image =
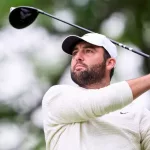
(110, 63)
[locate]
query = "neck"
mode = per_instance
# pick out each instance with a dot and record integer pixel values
(98, 85)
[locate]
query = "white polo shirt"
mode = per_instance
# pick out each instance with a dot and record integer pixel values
(89, 119)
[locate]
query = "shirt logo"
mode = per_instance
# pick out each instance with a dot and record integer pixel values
(124, 112)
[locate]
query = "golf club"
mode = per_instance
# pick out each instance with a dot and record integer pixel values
(22, 16)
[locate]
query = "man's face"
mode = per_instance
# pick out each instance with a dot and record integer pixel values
(87, 65)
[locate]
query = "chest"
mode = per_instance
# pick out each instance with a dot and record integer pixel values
(119, 123)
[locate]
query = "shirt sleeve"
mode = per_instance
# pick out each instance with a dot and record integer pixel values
(145, 130)
(66, 104)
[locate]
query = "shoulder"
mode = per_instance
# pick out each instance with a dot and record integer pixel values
(146, 113)
(52, 92)
(145, 124)
(61, 88)
(143, 113)
(58, 90)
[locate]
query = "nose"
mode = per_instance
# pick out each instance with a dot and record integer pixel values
(79, 56)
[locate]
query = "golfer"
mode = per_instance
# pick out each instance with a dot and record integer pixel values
(92, 115)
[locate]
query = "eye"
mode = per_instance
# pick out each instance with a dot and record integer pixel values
(89, 51)
(74, 53)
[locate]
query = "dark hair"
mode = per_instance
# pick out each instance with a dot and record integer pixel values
(106, 56)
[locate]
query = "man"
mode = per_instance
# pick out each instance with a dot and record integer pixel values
(93, 115)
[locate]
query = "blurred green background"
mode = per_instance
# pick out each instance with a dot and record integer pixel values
(31, 59)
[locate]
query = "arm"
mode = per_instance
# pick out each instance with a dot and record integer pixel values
(139, 85)
(145, 130)
(67, 104)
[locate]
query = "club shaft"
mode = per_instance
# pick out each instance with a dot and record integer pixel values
(74, 25)
(130, 49)
(84, 29)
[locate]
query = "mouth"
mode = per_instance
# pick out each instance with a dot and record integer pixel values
(79, 67)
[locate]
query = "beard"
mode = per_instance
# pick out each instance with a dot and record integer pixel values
(92, 75)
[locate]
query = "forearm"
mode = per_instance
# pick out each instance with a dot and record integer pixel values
(139, 85)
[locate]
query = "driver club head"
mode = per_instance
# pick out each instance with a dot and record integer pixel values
(21, 17)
